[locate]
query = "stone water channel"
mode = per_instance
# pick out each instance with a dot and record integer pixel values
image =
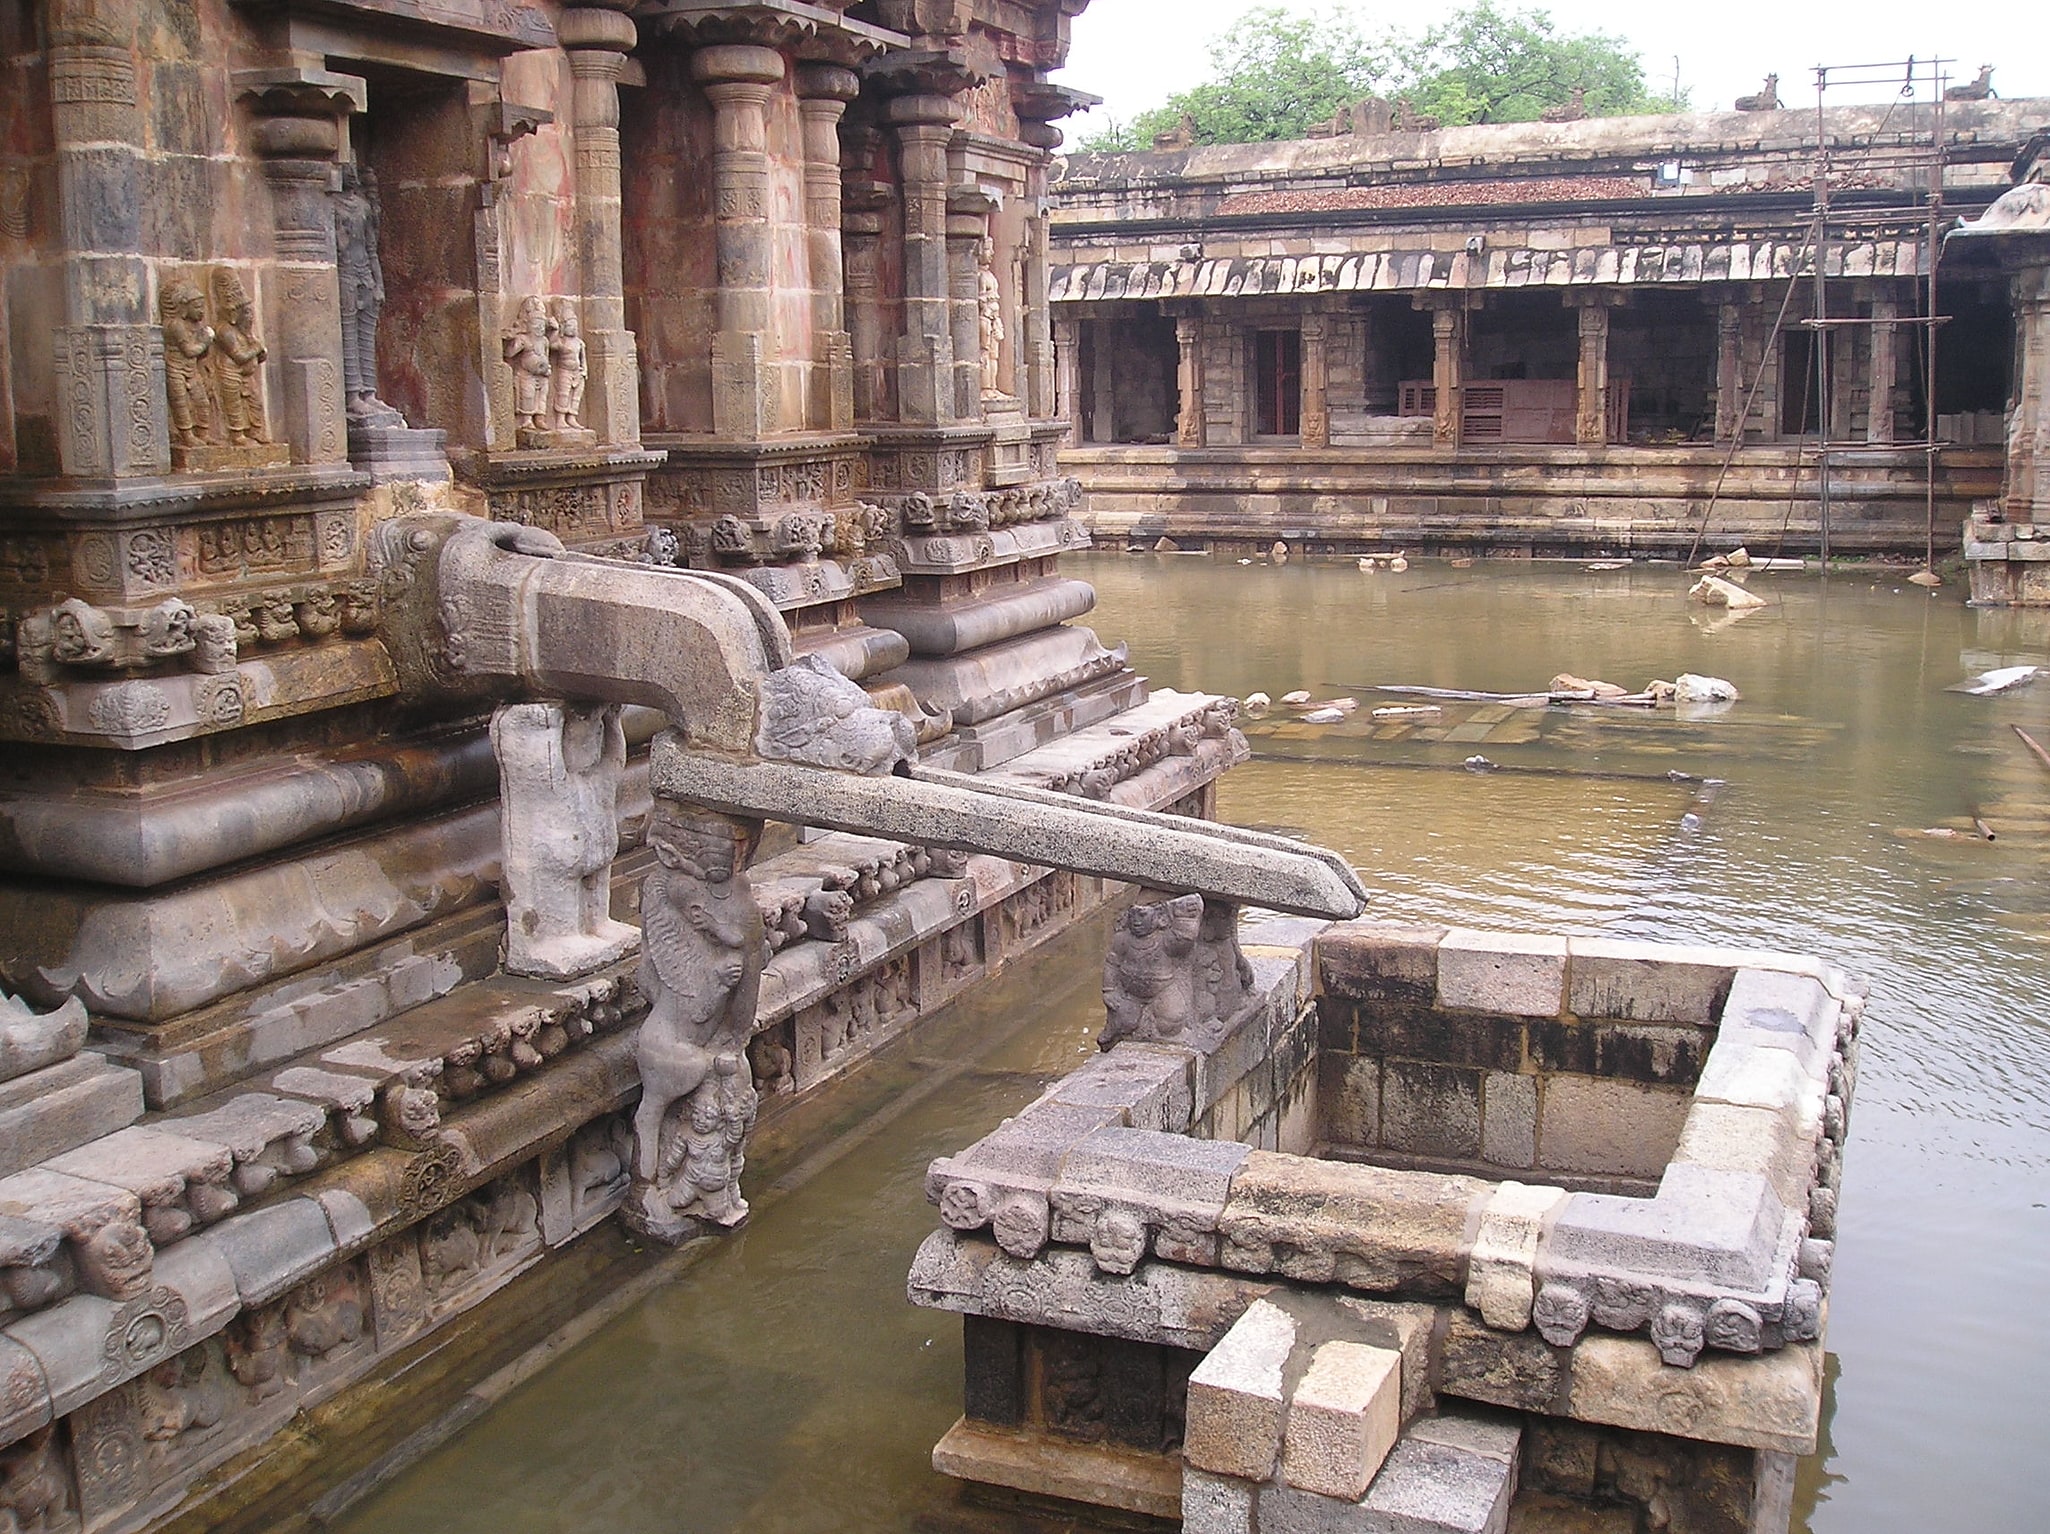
(780, 1383)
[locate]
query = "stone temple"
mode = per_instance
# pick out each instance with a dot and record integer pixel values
(534, 637)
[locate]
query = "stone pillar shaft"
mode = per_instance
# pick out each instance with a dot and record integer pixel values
(1067, 375)
(1729, 372)
(823, 93)
(1315, 428)
(1448, 374)
(925, 352)
(1037, 351)
(967, 232)
(598, 40)
(1885, 368)
(1188, 334)
(738, 80)
(1591, 410)
(2028, 433)
(109, 351)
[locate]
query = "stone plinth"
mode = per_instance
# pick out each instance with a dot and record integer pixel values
(2009, 563)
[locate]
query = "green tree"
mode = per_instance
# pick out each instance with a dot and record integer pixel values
(1277, 73)
(1488, 65)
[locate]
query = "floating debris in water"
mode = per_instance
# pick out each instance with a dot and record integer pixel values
(1926, 578)
(1604, 566)
(1295, 699)
(1258, 703)
(1479, 764)
(2001, 679)
(1409, 711)
(1323, 716)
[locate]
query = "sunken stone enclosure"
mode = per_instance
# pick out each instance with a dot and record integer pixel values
(1444, 1223)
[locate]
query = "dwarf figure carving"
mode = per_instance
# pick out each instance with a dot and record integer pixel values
(526, 350)
(1150, 983)
(241, 355)
(559, 770)
(187, 340)
(701, 969)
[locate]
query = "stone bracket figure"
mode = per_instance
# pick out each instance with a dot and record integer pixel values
(703, 947)
(560, 767)
(1175, 974)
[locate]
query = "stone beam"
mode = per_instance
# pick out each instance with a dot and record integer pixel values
(1058, 830)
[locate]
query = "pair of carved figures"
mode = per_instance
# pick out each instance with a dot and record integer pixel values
(213, 367)
(550, 367)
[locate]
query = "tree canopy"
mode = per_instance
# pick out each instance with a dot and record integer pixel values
(1277, 73)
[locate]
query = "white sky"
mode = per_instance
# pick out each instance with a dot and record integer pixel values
(1136, 53)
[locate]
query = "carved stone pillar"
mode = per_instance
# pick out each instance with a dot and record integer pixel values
(1591, 406)
(2028, 431)
(1067, 374)
(299, 115)
(598, 39)
(1188, 334)
(925, 351)
(1315, 430)
(1448, 373)
(968, 233)
(1885, 368)
(746, 384)
(823, 91)
(1729, 372)
(109, 350)
(1037, 351)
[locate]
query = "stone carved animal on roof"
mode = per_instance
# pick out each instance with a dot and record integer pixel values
(1767, 100)
(1974, 90)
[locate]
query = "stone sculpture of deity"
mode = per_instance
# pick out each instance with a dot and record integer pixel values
(241, 355)
(1150, 980)
(990, 310)
(187, 340)
(569, 369)
(362, 283)
(703, 947)
(559, 770)
(526, 350)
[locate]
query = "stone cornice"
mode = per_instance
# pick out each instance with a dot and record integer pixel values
(814, 31)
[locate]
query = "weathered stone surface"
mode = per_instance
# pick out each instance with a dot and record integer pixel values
(1237, 1397)
(1499, 1274)
(1167, 1185)
(1511, 973)
(1518, 1369)
(1366, 1227)
(54, 1109)
(1704, 1226)
(269, 1250)
(1216, 1504)
(1377, 961)
(1430, 1110)
(1771, 1402)
(1153, 1086)
(1160, 1302)
(1343, 1418)
(1349, 1099)
(1596, 1126)
(1646, 982)
(32, 1041)
(1509, 1119)
(1432, 1486)
(1777, 1146)
(1406, 1329)
(1102, 1474)
(1785, 1011)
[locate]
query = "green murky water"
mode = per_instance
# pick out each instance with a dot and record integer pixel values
(784, 1384)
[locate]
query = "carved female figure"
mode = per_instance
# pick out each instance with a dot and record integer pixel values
(242, 355)
(526, 350)
(570, 368)
(187, 340)
(990, 309)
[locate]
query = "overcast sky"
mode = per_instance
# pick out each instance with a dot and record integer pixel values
(1136, 53)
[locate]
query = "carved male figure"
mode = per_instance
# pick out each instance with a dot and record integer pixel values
(1150, 979)
(242, 354)
(187, 340)
(362, 282)
(701, 965)
(559, 769)
(526, 348)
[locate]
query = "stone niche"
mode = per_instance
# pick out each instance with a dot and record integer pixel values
(1445, 1223)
